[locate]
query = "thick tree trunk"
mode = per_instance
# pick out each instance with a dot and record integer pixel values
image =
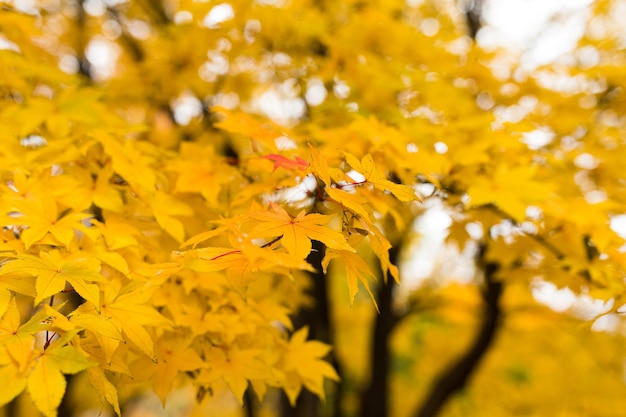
(320, 328)
(456, 377)
(375, 398)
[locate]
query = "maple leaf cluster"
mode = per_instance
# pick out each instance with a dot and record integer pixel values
(141, 263)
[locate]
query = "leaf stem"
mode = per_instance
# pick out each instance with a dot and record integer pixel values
(351, 184)
(232, 252)
(48, 337)
(271, 242)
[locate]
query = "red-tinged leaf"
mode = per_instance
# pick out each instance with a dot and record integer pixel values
(281, 161)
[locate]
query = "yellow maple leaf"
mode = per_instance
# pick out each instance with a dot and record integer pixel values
(367, 168)
(297, 232)
(78, 188)
(46, 383)
(17, 385)
(356, 268)
(201, 170)
(213, 259)
(46, 386)
(165, 208)
(87, 317)
(240, 123)
(117, 231)
(17, 342)
(380, 246)
(131, 313)
(18, 282)
(358, 204)
(41, 217)
(174, 357)
(352, 201)
(129, 161)
(240, 269)
(104, 194)
(319, 165)
(52, 270)
(243, 263)
(235, 366)
(201, 237)
(512, 189)
(304, 366)
(105, 389)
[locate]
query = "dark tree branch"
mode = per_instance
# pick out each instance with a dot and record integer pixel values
(455, 378)
(156, 10)
(591, 251)
(84, 66)
(473, 15)
(12, 408)
(249, 404)
(558, 253)
(133, 47)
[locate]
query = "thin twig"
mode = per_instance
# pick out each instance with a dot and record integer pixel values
(558, 253)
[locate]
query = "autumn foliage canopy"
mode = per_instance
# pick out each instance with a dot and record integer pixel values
(179, 179)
